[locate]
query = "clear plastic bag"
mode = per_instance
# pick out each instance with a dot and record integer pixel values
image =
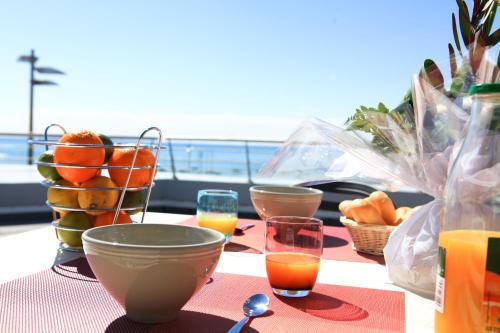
(411, 146)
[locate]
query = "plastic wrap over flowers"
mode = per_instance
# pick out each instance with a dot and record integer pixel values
(413, 145)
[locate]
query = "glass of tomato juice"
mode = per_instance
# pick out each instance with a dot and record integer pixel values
(294, 246)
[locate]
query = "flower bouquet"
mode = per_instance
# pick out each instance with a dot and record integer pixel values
(412, 145)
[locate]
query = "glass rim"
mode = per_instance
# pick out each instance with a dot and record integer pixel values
(302, 220)
(216, 191)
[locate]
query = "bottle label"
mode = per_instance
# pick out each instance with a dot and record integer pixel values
(440, 281)
(490, 310)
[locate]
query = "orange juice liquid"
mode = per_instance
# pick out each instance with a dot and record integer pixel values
(292, 271)
(225, 223)
(465, 266)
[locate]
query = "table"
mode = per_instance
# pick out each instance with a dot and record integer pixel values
(33, 251)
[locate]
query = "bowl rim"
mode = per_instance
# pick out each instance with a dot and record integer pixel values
(309, 191)
(86, 238)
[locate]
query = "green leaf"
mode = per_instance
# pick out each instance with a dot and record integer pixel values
(402, 115)
(432, 74)
(476, 8)
(408, 98)
(489, 18)
(382, 108)
(466, 28)
(494, 38)
(459, 82)
(453, 60)
(455, 33)
(477, 12)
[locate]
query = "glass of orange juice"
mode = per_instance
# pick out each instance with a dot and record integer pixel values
(294, 246)
(218, 210)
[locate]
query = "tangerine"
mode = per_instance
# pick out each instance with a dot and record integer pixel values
(107, 219)
(124, 157)
(85, 156)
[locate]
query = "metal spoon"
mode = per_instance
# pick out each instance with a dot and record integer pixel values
(243, 228)
(255, 305)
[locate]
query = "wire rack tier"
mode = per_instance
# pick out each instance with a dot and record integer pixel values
(56, 209)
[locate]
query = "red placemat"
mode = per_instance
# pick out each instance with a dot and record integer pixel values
(337, 243)
(67, 298)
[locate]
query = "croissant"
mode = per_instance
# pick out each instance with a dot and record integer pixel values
(345, 208)
(383, 203)
(364, 212)
(402, 213)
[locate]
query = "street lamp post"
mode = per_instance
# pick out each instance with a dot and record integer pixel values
(32, 59)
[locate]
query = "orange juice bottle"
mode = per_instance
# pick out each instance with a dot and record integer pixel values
(467, 295)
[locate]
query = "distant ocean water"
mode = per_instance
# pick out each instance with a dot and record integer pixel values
(224, 158)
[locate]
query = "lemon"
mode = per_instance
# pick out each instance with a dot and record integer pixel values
(98, 199)
(63, 197)
(78, 220)
(47, 172)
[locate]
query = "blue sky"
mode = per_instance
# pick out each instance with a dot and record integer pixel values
(214, 68)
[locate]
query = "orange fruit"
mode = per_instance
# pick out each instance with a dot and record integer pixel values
(98, 199)
(86, 156)
(107, 219)
(124, 157)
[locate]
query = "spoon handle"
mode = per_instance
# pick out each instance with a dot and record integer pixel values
(238, 326)
(243, 228)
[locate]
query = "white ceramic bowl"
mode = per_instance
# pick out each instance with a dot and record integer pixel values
(277, 200)
(152, 270)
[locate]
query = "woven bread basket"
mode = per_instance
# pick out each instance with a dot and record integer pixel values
(368, 238)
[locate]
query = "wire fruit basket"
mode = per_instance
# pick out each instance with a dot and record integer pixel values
(67, 232)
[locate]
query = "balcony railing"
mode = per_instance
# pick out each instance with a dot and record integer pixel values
(179, 156)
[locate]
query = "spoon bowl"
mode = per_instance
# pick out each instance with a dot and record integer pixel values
(254, 306)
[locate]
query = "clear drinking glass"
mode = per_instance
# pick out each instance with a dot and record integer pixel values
(218, 210)
(294, 246)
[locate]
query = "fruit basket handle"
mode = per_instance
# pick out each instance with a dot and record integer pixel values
(150, 186)
(46, 133)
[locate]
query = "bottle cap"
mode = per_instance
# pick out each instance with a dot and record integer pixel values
(485, 88)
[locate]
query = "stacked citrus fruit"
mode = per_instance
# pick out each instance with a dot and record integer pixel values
(84, 191)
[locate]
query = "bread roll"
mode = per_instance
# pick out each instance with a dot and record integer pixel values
(345, 208)
(364, 212)
(402, 213)
(384, 204)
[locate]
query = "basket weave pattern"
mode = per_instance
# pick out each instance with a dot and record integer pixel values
(368, 238)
